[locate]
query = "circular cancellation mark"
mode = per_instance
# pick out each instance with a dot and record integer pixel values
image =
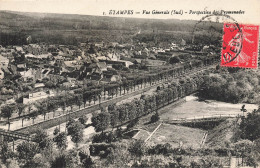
(209, 31)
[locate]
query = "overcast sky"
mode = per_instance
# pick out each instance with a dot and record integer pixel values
(97, 7)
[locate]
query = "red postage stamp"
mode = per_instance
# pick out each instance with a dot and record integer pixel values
(240, 45)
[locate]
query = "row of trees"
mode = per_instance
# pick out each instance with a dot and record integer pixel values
(116, 115)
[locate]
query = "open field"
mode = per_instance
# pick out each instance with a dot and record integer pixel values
(194, 108)
(177, 136)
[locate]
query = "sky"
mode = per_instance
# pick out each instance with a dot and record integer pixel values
(99, 7)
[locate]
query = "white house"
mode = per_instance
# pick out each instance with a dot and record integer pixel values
(37, 96)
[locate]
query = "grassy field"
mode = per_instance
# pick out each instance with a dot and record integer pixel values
(177, 136)
(194, 108)
(191, 137)
(167, 133)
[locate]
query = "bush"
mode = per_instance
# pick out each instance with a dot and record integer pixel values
(205, 151)
(98, 138)
(137, 148)
(119, 133)
(56, 131)
(59, 161)
(155, 118)
(83, 119)
(222, 151)
(160, 149)
(6, 152)
(86, 160)
(181, 151)
(105, 137)
(111, 137)
(100, 149)
(174, 60)
(132, 124)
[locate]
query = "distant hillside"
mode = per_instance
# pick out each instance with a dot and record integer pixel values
(71, 28)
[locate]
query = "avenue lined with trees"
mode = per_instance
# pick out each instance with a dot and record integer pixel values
(80, 97)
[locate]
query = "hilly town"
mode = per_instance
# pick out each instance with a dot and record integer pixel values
(108, 95)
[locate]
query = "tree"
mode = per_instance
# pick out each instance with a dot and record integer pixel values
(41, 137)
(39, 161)
(114, 118)
(73, 159)
(56, 131)
(256, 150)
(75, 129)
(123, 115)
(69, 126)
(34, 113)
(174, 60)
(243, 109)
(79, 100)
(27, 150)
(101, 121)
(206, 162)
(111, 107)
(92, 49)
(86, 96)
(155, 117)
(42, 108)
(64, 106)
(6, 152)
(7, 112)
(50, 84)
(118, 156)
(12, 163)
(137, 148)
(51, 107)
(21, 109)
(83, 119)
(131, 108)
(139, 107)
(230, 87)
(132, 123)
(250, 126)
(114, 114)
(60, 161)
(244, 149)
(86, 160)
(61, 140)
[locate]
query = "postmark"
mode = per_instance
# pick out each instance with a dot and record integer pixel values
(240, 45)
(208, 32)
(236, 43)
